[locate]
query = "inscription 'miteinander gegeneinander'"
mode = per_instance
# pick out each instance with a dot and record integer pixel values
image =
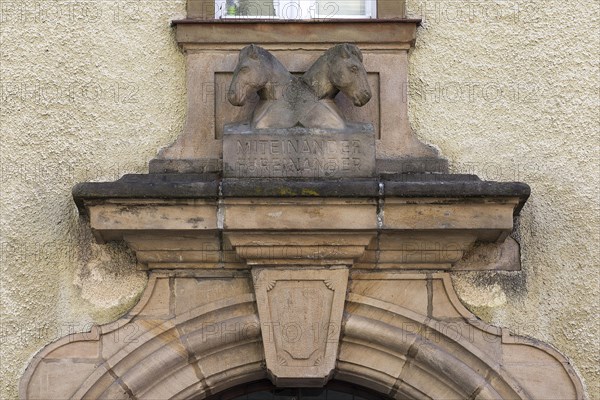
(298, 156)
(295, 147)
(304, 156)
(287, 101)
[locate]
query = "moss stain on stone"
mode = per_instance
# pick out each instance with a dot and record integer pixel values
(284, 191)
(310, 192)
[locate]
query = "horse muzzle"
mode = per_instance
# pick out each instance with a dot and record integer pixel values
(235, 98)
(362, 98)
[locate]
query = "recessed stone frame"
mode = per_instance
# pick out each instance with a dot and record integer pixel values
(212, 49)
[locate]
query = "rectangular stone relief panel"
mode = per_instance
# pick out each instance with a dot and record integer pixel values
(209, 74)
(212, 51)
(225, 113)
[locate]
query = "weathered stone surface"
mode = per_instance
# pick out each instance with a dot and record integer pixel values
(426, 221)
(284, 249)
(301, 314)
(191, 294)
(57, 379)
(449, 186)
(412, 165)
(194, 186)
(159, 305)
(140, 186)
(424, 214)
(264, 214)
(183, 166)
(317, 32)
(505, 256)
(112, 221)
(286, 101)
(299, 152)
(298, 187)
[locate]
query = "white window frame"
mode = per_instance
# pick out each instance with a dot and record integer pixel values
(297, 9)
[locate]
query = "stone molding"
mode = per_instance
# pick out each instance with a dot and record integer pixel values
(235, 268)
(369, 34)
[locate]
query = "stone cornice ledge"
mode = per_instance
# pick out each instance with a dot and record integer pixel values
(391, 222)
(211, 186)
(366, 33)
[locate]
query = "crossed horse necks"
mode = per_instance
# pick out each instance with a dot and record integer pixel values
(287, 101)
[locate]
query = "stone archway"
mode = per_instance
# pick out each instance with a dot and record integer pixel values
(175, 345)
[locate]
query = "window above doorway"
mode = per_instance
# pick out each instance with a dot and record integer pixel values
(296, 9)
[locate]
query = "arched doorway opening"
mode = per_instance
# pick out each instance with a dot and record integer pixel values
(265, 390)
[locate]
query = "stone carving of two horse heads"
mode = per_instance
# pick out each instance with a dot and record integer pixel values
(286, 101)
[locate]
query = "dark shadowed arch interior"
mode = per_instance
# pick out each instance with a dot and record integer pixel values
(264, 390)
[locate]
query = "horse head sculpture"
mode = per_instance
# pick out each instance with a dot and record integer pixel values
(257, 71)
(287, 101)
(340, 69)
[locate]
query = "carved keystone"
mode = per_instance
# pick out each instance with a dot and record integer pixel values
(300, 314)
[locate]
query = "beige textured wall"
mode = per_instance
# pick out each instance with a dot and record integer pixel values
(91, 90)
(509, 90)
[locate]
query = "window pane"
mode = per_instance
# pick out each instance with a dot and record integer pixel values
(295, 9)
(250, 8)
(333, 8)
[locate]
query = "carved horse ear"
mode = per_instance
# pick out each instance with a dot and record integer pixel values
(352, 49)
(346, 52)
(253, 51)
(349, 50)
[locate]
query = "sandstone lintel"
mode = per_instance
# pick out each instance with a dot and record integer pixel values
(377, 33)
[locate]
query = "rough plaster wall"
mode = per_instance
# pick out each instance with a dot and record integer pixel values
(509, 90)
(91, 90)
